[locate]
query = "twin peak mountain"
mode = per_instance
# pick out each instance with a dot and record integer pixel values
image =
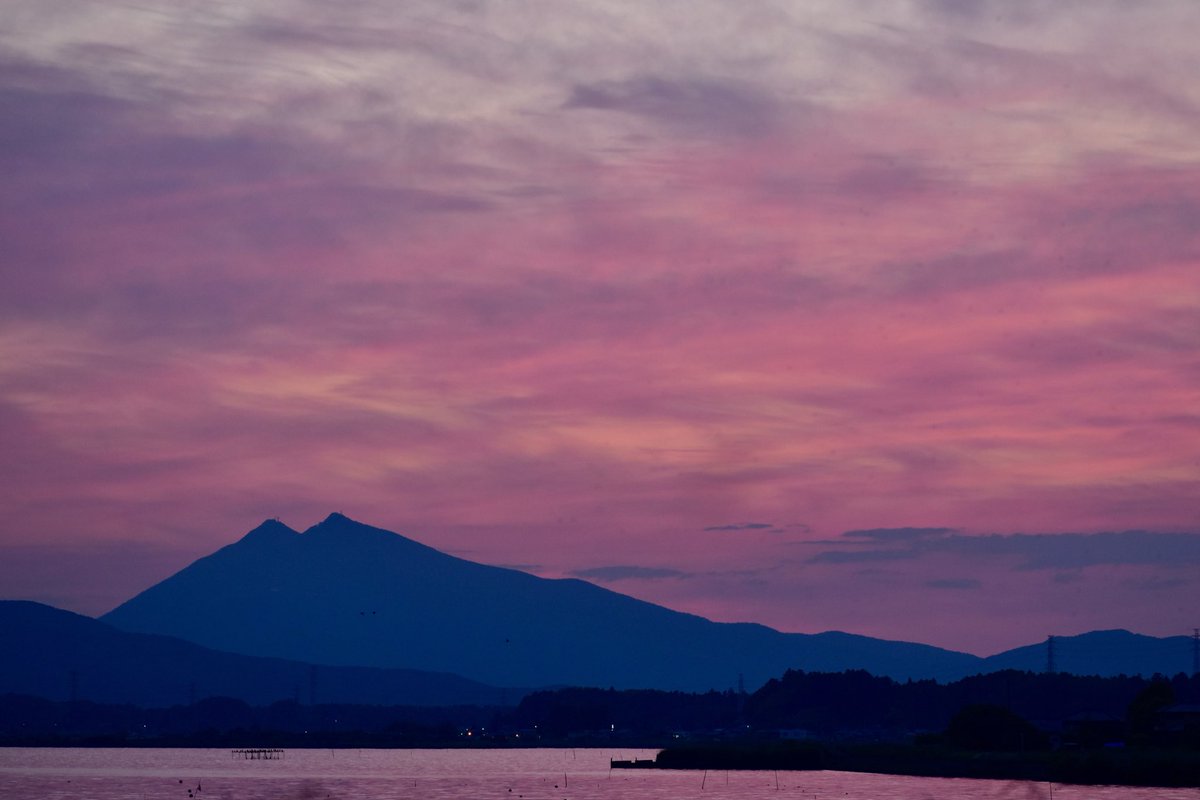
(347, 594)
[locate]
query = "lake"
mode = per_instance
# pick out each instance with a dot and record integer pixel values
(534, 774)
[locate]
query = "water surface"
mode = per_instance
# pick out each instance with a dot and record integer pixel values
(542, 774)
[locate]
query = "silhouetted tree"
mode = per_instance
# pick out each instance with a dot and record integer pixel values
(1145, 707)
(993, 728)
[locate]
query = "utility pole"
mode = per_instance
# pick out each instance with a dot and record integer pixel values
(1050, 667)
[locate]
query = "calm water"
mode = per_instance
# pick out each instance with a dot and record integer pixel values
(118, 774)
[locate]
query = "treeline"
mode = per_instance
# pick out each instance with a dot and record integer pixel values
(225, 721)
(846, 706)
(563, 713)
(837, 705)
(830, 703)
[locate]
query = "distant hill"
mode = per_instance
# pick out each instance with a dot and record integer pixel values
(344, 593)
(50, 653)
(1104, 653)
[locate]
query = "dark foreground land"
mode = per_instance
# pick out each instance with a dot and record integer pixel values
(1111, 766)
(1125, 730)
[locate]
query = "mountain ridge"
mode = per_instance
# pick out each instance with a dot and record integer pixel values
(346, 593)
(1122, 652)
(53, 653)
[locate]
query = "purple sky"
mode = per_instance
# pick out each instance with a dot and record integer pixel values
(873, 316)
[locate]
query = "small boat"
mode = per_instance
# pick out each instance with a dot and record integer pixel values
(637, 763)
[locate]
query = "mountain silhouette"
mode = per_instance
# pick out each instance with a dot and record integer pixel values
(1103, 653)
(60, 655)
(344, 593)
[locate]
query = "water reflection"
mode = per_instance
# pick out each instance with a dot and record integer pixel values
(164, 774)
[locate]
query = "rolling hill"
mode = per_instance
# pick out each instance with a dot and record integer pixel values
(59, 655)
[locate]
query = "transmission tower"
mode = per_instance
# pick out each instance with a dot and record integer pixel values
(1050, 668)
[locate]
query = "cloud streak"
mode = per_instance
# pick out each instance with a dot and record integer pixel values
(696, 106)
(744, 526)
(1064, 551)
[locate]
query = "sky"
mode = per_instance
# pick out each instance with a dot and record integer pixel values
(876, 316)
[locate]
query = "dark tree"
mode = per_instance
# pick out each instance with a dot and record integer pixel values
(993, 728)
(1144, 709)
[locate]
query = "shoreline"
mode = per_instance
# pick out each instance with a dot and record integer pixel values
(1111, 766)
